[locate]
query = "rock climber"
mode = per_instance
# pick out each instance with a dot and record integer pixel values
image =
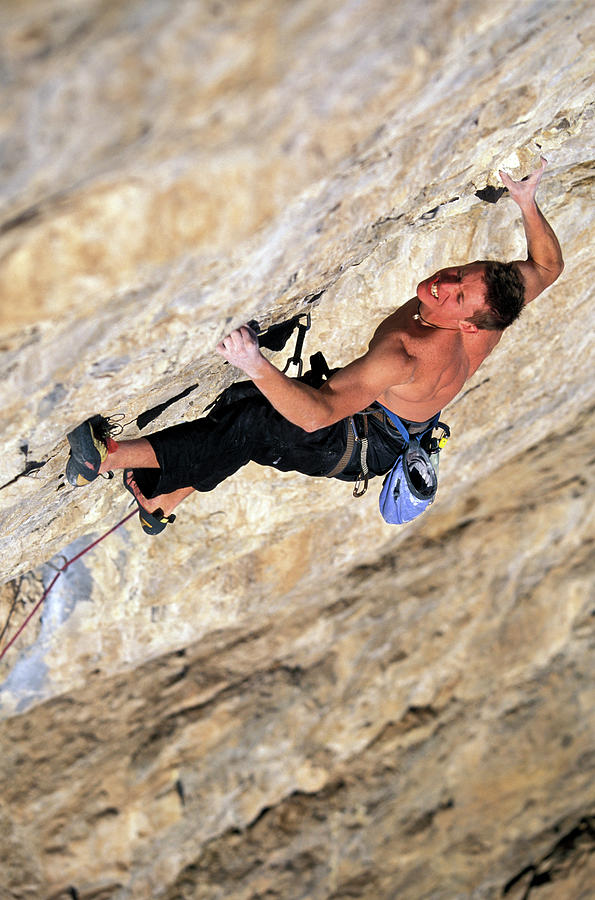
(418, 360)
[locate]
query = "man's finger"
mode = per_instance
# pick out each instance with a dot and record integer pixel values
(248, 336)
(226, 344)
(235, 339)
(539, 171)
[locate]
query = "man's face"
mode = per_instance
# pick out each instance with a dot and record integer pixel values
(455, 293)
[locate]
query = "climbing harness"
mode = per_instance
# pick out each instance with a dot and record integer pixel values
(66, 565)
(355, 439)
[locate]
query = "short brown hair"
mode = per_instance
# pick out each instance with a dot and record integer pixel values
(505, 296)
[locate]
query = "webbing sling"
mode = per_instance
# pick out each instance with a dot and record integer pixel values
(394, 418)
(343, 462)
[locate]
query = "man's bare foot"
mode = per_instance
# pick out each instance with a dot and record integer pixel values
(165, 502)
(150, 504)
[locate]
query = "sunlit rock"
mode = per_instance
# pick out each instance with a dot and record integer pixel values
(282, 693)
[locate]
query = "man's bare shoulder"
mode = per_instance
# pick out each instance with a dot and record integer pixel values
(396, 327)
(391, 346)
(401, 334)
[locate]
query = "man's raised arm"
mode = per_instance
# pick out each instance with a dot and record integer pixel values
(544, 261)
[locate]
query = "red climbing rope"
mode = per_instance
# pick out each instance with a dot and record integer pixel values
(68, 563)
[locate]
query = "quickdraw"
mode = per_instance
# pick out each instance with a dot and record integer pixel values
(296, 359)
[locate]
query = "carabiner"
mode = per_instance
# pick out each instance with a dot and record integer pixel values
(296, 359)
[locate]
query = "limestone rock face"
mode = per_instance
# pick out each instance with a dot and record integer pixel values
(282, 696)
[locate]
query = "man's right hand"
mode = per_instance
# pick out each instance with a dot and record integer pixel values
(544, 261)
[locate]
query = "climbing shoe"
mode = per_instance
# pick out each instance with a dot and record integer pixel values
(88, 448)
(152, 523)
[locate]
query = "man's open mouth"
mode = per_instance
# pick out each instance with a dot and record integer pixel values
(434, 289)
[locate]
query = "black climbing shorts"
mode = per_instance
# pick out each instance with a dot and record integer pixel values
(203, 453)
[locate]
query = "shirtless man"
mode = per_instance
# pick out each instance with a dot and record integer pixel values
(418, 360)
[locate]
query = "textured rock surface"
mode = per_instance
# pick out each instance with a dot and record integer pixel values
(284, 697)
